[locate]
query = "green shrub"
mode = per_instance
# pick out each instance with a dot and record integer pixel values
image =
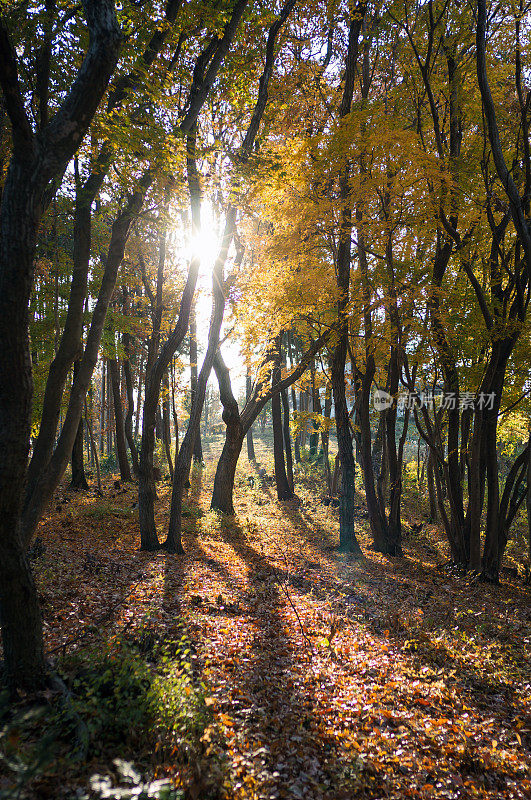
(135, 694)
(109, 464)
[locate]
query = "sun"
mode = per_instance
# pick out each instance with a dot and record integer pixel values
(205, 246)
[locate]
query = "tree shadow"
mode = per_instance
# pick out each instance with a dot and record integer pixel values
(176, 566)
(417, 614)
(278, 724)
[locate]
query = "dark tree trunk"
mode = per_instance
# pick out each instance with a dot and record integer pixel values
(528, 498)
(34, 164)
(250, 443)
(494, 531)
(347, 536)
(287, 439)
(139, 395)
(432, 492)
(314, 435)
(296, 441)
(198, 450)
(234, 435)
(19, 607)
(238, 425)
(166, 423)
(393, 457)
(121, 447)
(325, 439)
(93, 446)
(79, 480)
(103, 406)
(283, 489)
(128, 422)
(70, 347)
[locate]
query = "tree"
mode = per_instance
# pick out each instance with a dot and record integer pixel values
(38, 159)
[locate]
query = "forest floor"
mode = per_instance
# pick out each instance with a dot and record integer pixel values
(280, 667)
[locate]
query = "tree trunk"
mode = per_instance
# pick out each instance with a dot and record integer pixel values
(296, 441)
(347, 536)
(325, 439)
(198, 450)
(283, 489)
(238, 425)
(250, 443)
(128, 422)
(528, 499)
(314, 435)
(166, 423)
(139, 396)
(121, 447)
(432, 492)
(183, 461)
(103, 406)
(127, 341)
(34, 164)
(79, 480)
(93, 446)
(234, 435)
(287, 439)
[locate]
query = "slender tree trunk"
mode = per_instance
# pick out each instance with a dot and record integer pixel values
(432, 492)
(287, 440)
(79, 480)
(325, 439)
(237, 425)
(110, 413)
(222, 495)
(93, 446)
(250, 443)
(103, 405)
(173, 408)
(296, 441)
(139, 395)
(183, 461)
(347, 536)
(70, 346)
(198, 450)
(121, 447)
(128, 422)
(314, 435)
(166, 423)
(283, 488)
(528, 497)
(127, 341)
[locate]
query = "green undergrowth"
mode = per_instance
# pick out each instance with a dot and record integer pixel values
(123, 713)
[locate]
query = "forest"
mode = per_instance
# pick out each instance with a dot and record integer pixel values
(265, 399)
